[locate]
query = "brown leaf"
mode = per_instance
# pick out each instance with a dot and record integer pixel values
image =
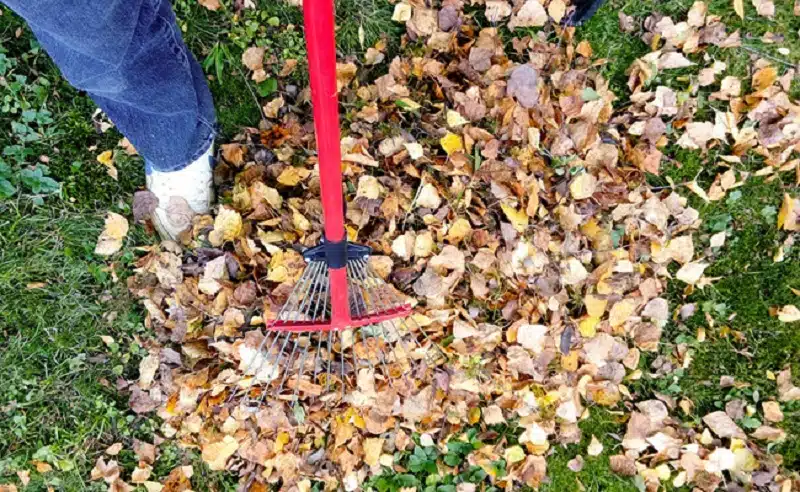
(622, 465)
(722, 425)
(144, 204)
(253, 58)
(523, 85)
(212, 5)
(144, 451)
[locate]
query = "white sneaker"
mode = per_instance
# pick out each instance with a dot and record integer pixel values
(181, 195)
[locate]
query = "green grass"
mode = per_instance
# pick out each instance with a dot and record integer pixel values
(58, 402)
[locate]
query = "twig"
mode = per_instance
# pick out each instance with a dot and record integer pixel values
(252, 93)
(766, 55)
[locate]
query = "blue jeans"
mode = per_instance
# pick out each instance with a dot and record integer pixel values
(129, 56)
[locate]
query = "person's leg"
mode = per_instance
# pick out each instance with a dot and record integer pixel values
(128, 55)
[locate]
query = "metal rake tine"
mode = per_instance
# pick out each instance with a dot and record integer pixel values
(383, 306)
(396, 298)
(295, 314)
(319, 336)
(359, 311)
(303, 283)
(309, 344)
(288, 365)
(330, 358)
(360, 330)
(289, 302)
(277, 359)
(300, 370)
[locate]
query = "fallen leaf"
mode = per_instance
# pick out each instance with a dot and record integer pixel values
(531, 14)
(452, 143)
(518, 218)
(690, 273)
(789, 214)
(402, 12)
(497, 10)
(556, 9)
(372, 450)
(532, 337)
(789, 314)
(227, 226)
(595, 447)
(147, 371)
(24, 477)
(583, 186)
(110, 240)
(738, 7)
(523, 84)
(106, 158)
(428, 197)
(212, 5)
(216, 454)
(114, 449)
(253, 58)
(454, 119)
(291, 176)
(722, 425)
(145, 203)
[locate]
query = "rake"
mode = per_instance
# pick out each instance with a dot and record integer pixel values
(342, 326)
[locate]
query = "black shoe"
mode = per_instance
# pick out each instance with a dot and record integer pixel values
(584, 10)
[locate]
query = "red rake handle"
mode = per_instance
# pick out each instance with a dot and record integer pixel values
(321, 47)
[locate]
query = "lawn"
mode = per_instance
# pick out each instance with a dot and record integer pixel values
(59, 406)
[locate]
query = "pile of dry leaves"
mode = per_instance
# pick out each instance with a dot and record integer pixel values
(502, 190)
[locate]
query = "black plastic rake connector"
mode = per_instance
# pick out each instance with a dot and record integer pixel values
(337, 254)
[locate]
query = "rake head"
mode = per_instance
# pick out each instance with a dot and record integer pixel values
(338, 325)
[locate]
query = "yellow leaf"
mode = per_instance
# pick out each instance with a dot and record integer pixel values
(691, 272)
(110, 240)
(281, 441)
(583, 186)
(789, 214)
(407, 103)
(458, 231)
(474, 415)
(692, 185)
(300, 222)
(452, 143)
(107, 159)
(402, 12)
(557, 9)
(455, 119)
(595, 306)
(368, 187)
(227, 226)
(738, 7)
(588, 326)
(621, 311)
(514, 454)
(372, 450)
(290, 176)
(518, 219)
(764, 78)
(216, 454)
